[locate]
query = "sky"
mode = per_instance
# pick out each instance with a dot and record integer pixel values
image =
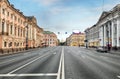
(64, 15)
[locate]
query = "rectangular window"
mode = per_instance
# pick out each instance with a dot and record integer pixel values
(3, 11)
(18, 31)
(11, 29)
(3, 23)
(15, 30)
(10, 44)
(11, 16)
(8, 14)
(5, 44)
(8, 29)
(21, 32)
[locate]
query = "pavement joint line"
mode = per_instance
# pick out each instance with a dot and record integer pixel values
(26, 64)
(24, 75)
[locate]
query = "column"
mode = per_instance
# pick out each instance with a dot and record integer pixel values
(104, 35)
(118, 29)
(101, 35)
(113, 42)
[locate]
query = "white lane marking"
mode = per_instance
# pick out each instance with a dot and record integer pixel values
(59, 70)
(26, 64)
(118, 76)
(63, 66)
(24, 75)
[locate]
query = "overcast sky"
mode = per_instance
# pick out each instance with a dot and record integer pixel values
(64, 15)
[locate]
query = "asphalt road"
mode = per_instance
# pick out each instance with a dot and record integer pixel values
(60, 63)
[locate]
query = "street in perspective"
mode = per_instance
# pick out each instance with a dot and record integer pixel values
(60, 39)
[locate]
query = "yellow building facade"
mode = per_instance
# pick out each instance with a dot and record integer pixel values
(76, 39)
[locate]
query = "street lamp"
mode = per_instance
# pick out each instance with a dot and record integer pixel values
(26, 25)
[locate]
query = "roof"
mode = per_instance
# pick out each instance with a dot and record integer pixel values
(48, 32)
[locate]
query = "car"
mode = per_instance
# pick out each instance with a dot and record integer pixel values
(101, 49)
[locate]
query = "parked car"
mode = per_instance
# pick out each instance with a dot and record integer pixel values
(100, 49)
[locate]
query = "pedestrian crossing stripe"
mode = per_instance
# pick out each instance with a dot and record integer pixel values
(32, 75)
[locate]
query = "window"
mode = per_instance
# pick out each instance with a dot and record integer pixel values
(11, 29)
(15, 44)
(10, 44)
(8, 29)
(5, 44)
(15, 30)
(7, 13)
(3, 23)
(11, 16)
(21, 32)
(3, 11)
(18, 31)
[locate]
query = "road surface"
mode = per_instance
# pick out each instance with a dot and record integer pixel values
(60, 62)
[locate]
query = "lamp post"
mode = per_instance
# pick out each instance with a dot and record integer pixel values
(26, 25)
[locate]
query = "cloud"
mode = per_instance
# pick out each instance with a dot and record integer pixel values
(47, 2)
(58, 10)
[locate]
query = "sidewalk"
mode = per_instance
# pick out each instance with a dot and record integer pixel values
(117, 52)
(4, 54)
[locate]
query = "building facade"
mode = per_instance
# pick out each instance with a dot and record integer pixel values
(15, 35)
(76, 39)
(109, 23)
(92, 36)
(106, 31)
(50, 39)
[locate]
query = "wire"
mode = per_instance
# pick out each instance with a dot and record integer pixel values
(103, 5)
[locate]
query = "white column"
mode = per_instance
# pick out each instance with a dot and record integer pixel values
(113, 42)
(104, 35)
(101, 35)
(118, 29)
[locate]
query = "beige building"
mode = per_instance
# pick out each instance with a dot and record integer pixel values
(17, 31)
(76, 39)
(50, 39)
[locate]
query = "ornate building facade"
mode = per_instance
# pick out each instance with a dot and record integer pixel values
(107, 29)
(17, 31)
